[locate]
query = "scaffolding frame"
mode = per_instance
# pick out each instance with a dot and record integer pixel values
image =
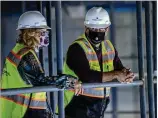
(140, 82)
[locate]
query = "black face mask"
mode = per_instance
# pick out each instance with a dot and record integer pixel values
(96, 37)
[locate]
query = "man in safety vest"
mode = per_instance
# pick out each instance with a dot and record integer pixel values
(23, 69)
(93, 59)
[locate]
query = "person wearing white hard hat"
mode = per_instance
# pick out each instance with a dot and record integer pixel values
(93, 59)
(23, 69)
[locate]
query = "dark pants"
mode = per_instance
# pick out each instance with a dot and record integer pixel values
(86, 107)
(35, 113)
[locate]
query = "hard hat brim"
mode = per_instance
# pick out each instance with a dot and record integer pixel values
(37, 27)
(97, 26)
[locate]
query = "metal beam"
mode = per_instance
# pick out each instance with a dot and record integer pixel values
(59, 39)
(23, 6)
(125, 112)
(112, 84)
(49, 88)
(50, 65)
(15, 91)
(112, 38)
(149, 60)
(154, 20)
(49, 22)
(59, 45)
(140, 58)
(40, 8)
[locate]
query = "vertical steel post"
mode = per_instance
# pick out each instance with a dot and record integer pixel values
(154, 18)
(59, 44)
(112, 37)
(40, 8)
(155, 97)
(149, 61)
(23, 5)
(49, 22)
(140, 58)
(112, 27)
(154, 13)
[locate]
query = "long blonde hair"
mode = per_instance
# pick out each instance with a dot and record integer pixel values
(28, 37)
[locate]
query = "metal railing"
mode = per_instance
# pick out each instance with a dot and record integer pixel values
(49, 88)
(52, 88)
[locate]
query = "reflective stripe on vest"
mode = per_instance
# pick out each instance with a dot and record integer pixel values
(16, 58)
(13, 58)
(93, 92)
(96, 92)
(108, 56)
(24, 101)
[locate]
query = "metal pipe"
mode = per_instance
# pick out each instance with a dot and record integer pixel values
(49, 22)
(154, 18)
(112, 27)
(149, 61)
(155, 97)
(140, 58)
(23, 5)
(112, 84)
(40, 8)
(154, 34)
(36, 89)
(59, 39)
(124, 112)
(112, 37)
(155, 82)
(61, 104)
(59, 45)
(49, 88)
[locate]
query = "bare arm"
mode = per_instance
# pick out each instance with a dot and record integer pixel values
(121, 76)
(109, 76)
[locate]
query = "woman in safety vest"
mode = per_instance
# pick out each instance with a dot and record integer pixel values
(23, 69)
(93, 59)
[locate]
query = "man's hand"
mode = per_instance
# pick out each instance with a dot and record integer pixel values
(78, 89)
(125, 76)
(128, 72)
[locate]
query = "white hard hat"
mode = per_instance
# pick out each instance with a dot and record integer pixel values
(97, 17)
(32, 19)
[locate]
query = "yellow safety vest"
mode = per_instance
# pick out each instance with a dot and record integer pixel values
(15, 106)
(108, 54)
